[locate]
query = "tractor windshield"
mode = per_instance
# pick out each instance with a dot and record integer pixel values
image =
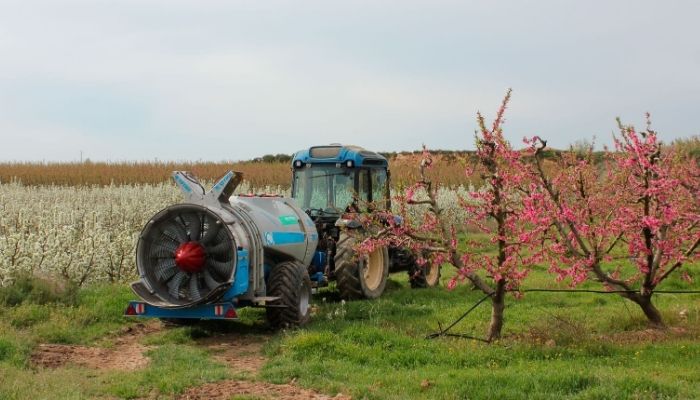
(324, 189)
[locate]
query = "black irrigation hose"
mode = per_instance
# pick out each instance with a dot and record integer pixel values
(603, 291)
(443, 332)
(677, 291)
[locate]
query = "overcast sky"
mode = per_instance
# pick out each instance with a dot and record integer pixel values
(230, 80)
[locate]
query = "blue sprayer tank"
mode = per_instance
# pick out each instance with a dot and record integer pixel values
(214, 253)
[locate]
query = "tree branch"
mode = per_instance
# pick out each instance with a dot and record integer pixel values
(688, 252)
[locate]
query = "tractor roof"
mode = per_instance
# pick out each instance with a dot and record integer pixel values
(337, 153)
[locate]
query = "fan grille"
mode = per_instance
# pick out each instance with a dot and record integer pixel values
(185, 252)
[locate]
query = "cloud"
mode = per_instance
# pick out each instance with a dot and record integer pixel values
(235, 80)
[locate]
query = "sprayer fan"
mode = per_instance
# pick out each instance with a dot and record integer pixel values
(184, 253)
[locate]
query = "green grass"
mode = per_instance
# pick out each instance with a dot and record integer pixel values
(571, 346)
(95, 313)
(96, 316)
(172, 369)
(98, 311)
(37, 290)
(577, 346)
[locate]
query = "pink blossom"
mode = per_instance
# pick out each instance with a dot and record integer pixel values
(452, 283)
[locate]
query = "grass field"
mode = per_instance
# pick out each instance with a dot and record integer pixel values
(448, 169)
(580, 346)
(563, 346)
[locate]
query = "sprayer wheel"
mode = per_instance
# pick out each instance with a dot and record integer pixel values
(290, 282)
(360, 278)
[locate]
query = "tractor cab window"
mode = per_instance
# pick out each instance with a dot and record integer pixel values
(379, 188)
(323, 189)
(363, 188)
(344, 188)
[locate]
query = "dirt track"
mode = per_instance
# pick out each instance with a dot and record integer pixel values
(242, 353)
(126, 355)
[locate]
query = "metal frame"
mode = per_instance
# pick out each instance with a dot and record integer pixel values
(205, 311)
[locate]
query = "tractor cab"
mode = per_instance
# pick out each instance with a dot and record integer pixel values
(332, 183)
(331, 180)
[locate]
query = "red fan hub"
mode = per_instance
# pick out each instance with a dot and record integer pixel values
(190, 257)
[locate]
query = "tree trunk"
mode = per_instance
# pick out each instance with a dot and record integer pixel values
(650, 311)
(498, 305)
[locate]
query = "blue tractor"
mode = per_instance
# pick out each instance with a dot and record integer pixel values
(333, 184)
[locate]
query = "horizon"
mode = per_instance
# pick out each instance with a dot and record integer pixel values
(259, 158)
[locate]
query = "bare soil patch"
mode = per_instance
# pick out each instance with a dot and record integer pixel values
(649, 335)
(240, 352)
(243, 353)
(127, 354)
(226, 389)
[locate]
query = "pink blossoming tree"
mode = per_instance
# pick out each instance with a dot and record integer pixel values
(636, 202)
(496, 209)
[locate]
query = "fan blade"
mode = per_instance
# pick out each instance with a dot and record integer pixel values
(220, 248)
(209, 280)
(165, 269)
(213, 228)
(194, 287)
(164, 249)
(222, 268)
(165, 236)
(174, 284)
(175, 230)
(194, 223)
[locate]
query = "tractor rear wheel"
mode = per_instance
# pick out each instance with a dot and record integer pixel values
(290, 282)
(360, 277)
(424, 276)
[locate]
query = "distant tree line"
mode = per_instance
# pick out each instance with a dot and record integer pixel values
(690, 145)
(273, 158)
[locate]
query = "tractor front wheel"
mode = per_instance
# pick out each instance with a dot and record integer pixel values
(360, 277)
(290, 282)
